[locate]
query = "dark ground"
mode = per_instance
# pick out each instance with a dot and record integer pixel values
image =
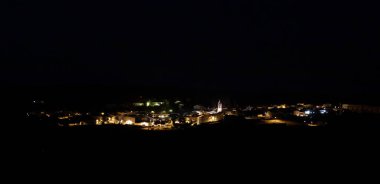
(237, 138)
(235, 150)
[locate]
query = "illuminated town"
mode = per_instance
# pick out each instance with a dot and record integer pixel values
(172, 115)
(175, 90)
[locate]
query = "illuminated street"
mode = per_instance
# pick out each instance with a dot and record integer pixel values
(281, 122)
(158, 128)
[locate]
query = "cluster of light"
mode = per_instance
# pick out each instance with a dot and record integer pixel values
(63, 117)
(138, 104)
(312, 124)
(283, 106)
(157, 103)
(129, 122)
(144, 124)
(212, 118)
(162, 116)
(199, 112)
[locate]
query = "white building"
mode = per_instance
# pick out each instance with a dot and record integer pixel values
(220, 107)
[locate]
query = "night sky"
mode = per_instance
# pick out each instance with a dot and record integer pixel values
(261, 46)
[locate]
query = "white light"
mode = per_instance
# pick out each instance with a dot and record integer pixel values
(129, 122)
(307, 112)
(144, 124)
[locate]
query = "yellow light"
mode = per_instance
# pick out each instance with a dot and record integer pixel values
(162, 116)
(102, 113)
(312, 124)
(212, 118)
(129, 122)
(98, 122)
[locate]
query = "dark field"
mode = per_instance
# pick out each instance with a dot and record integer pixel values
(238, 137)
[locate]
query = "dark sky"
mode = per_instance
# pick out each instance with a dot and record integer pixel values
(262, 45)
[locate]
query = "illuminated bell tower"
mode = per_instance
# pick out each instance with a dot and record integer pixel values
(220, 107)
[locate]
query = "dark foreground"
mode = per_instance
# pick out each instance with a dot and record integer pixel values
(233, 138)
(230, 147)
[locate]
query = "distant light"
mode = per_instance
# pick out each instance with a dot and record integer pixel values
(323, 111)
(312, 125)
(308, 112)
(152, 111)
(129, 122)
(162, 116)
(102, 113)
(144, 124)
(138, 104)
(170, 110)
(212, 118)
